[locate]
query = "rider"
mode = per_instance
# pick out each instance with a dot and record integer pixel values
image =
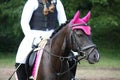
(39, 18)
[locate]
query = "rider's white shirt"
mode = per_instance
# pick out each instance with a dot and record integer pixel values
(25, 46)
(32, 5)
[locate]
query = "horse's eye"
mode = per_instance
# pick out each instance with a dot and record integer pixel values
(79, 35)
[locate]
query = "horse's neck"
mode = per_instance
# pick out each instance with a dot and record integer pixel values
(59, 41)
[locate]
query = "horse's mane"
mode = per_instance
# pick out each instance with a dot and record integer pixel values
(59, 28)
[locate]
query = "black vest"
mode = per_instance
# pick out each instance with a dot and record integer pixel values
(41, 22)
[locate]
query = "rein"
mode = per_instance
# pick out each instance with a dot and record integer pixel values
(14, 72)
(80, 50)
(66, 58)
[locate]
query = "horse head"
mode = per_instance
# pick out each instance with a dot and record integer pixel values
(81, 38)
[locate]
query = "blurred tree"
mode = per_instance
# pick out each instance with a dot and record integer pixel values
(104, 18)
(105, 22)
(10, 32)
(105, 15)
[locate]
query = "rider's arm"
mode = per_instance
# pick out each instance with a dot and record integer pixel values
(61, 13)
(28, 9)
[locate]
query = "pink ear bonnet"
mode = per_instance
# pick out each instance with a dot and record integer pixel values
(80, 21)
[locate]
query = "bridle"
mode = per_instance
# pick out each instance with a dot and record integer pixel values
(80, 50)
(77, 58)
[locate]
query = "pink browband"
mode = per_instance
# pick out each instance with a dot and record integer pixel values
(84, 27)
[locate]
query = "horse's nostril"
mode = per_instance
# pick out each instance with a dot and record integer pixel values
(96, 57)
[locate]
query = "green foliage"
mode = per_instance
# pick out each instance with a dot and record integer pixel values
(72, 6)
(10, 16)
(10, 28)
(7, 60)
(104, 21)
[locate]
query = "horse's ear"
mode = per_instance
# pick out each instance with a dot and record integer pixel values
(76, 16)
(87, 17)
